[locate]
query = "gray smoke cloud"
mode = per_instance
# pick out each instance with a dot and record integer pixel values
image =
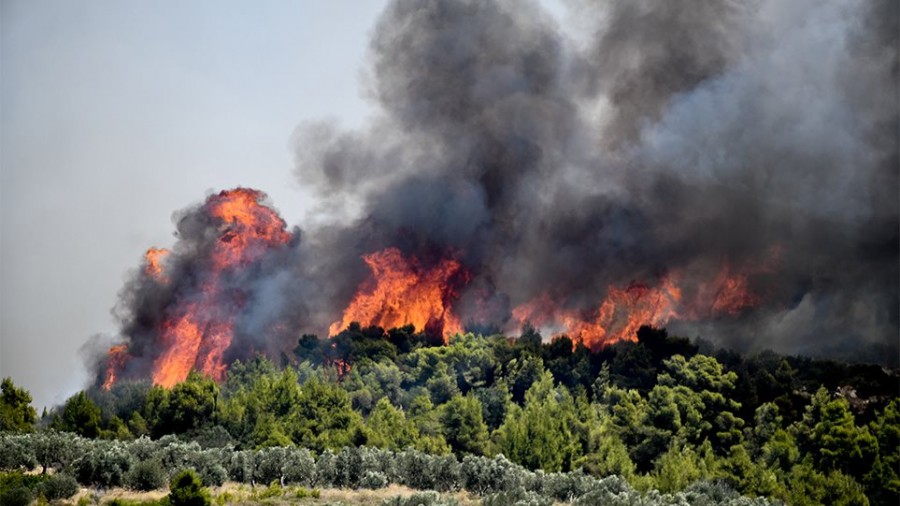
(678, 137)
(681, 135)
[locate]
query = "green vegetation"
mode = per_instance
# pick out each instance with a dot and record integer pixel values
(187, 490)
(16, 413)
(513, 421)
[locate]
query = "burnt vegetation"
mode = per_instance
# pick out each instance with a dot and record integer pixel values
(509, 419)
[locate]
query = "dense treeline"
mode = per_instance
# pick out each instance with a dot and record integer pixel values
(663, 413)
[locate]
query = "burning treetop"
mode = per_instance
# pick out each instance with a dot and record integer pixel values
(194, 292)
(403, 292)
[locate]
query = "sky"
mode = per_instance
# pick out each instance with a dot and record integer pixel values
(115, 114)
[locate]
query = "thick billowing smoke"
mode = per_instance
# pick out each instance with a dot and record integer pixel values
(680, 135)
(225, 291)
(666, 137)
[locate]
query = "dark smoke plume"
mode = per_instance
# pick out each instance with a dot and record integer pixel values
(680, 135)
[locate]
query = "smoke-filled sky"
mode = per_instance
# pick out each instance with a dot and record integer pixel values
(557, 152)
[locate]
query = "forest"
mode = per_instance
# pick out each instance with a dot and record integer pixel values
(662, 420)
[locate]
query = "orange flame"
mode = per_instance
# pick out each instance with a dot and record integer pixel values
(198, 328)
(116, 358)
(624, 311)
(402, 292)
(154, 258)
(617, 318)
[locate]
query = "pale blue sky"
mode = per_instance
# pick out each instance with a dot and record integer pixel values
(115, 114)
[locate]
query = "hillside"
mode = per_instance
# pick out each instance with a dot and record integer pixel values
(657, 413)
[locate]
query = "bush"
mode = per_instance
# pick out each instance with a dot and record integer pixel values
(16, 496)
(429, 498)
(16, 452)
(706, 493)
(104, 465)
(303, 493)
(57, 449)
(299, 467)
(427, 472)
(58, 486)
(208, 464)
(483, 476)
(612, 490)
(516, 497)
(566, 486)
(240, 466)
(269, 465)
(143, 448)
(213, 475)
(373, 480)
(145, 476)
(326, 469)
(176, 454)
(187, 490)
(349, 468)
(273, 490)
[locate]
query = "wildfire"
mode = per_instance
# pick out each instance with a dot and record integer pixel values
(118, 354)
(248, 229)
(402, 292)
(188, 320)
(198, 326)
(153, 267)
(624, 310)
(617, 318)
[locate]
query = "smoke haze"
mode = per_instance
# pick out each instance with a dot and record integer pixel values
(677, 136)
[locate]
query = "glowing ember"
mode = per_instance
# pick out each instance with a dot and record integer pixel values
(402, 292)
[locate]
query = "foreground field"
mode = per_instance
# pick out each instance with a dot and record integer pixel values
(232, 493)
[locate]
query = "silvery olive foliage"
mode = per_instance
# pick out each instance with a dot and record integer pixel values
(145, 464)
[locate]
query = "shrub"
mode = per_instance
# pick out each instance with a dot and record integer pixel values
(58, 486)
(187, 490)
(213, 475)
(303, 493)
(612, 490)
(427, 472)
(373, 480)
(145, 476)
(104, 465)
(299, 467)
(240, 466)
(273, 490)
(16, 496)
(566, 486)
(269, 465)
(326, 469)
(208, 464)
(430, 498)
(482, 476)
(143, 448)
(516, 497)
(176, 454)
(16, 452)
(706, 493)
(348, 468)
